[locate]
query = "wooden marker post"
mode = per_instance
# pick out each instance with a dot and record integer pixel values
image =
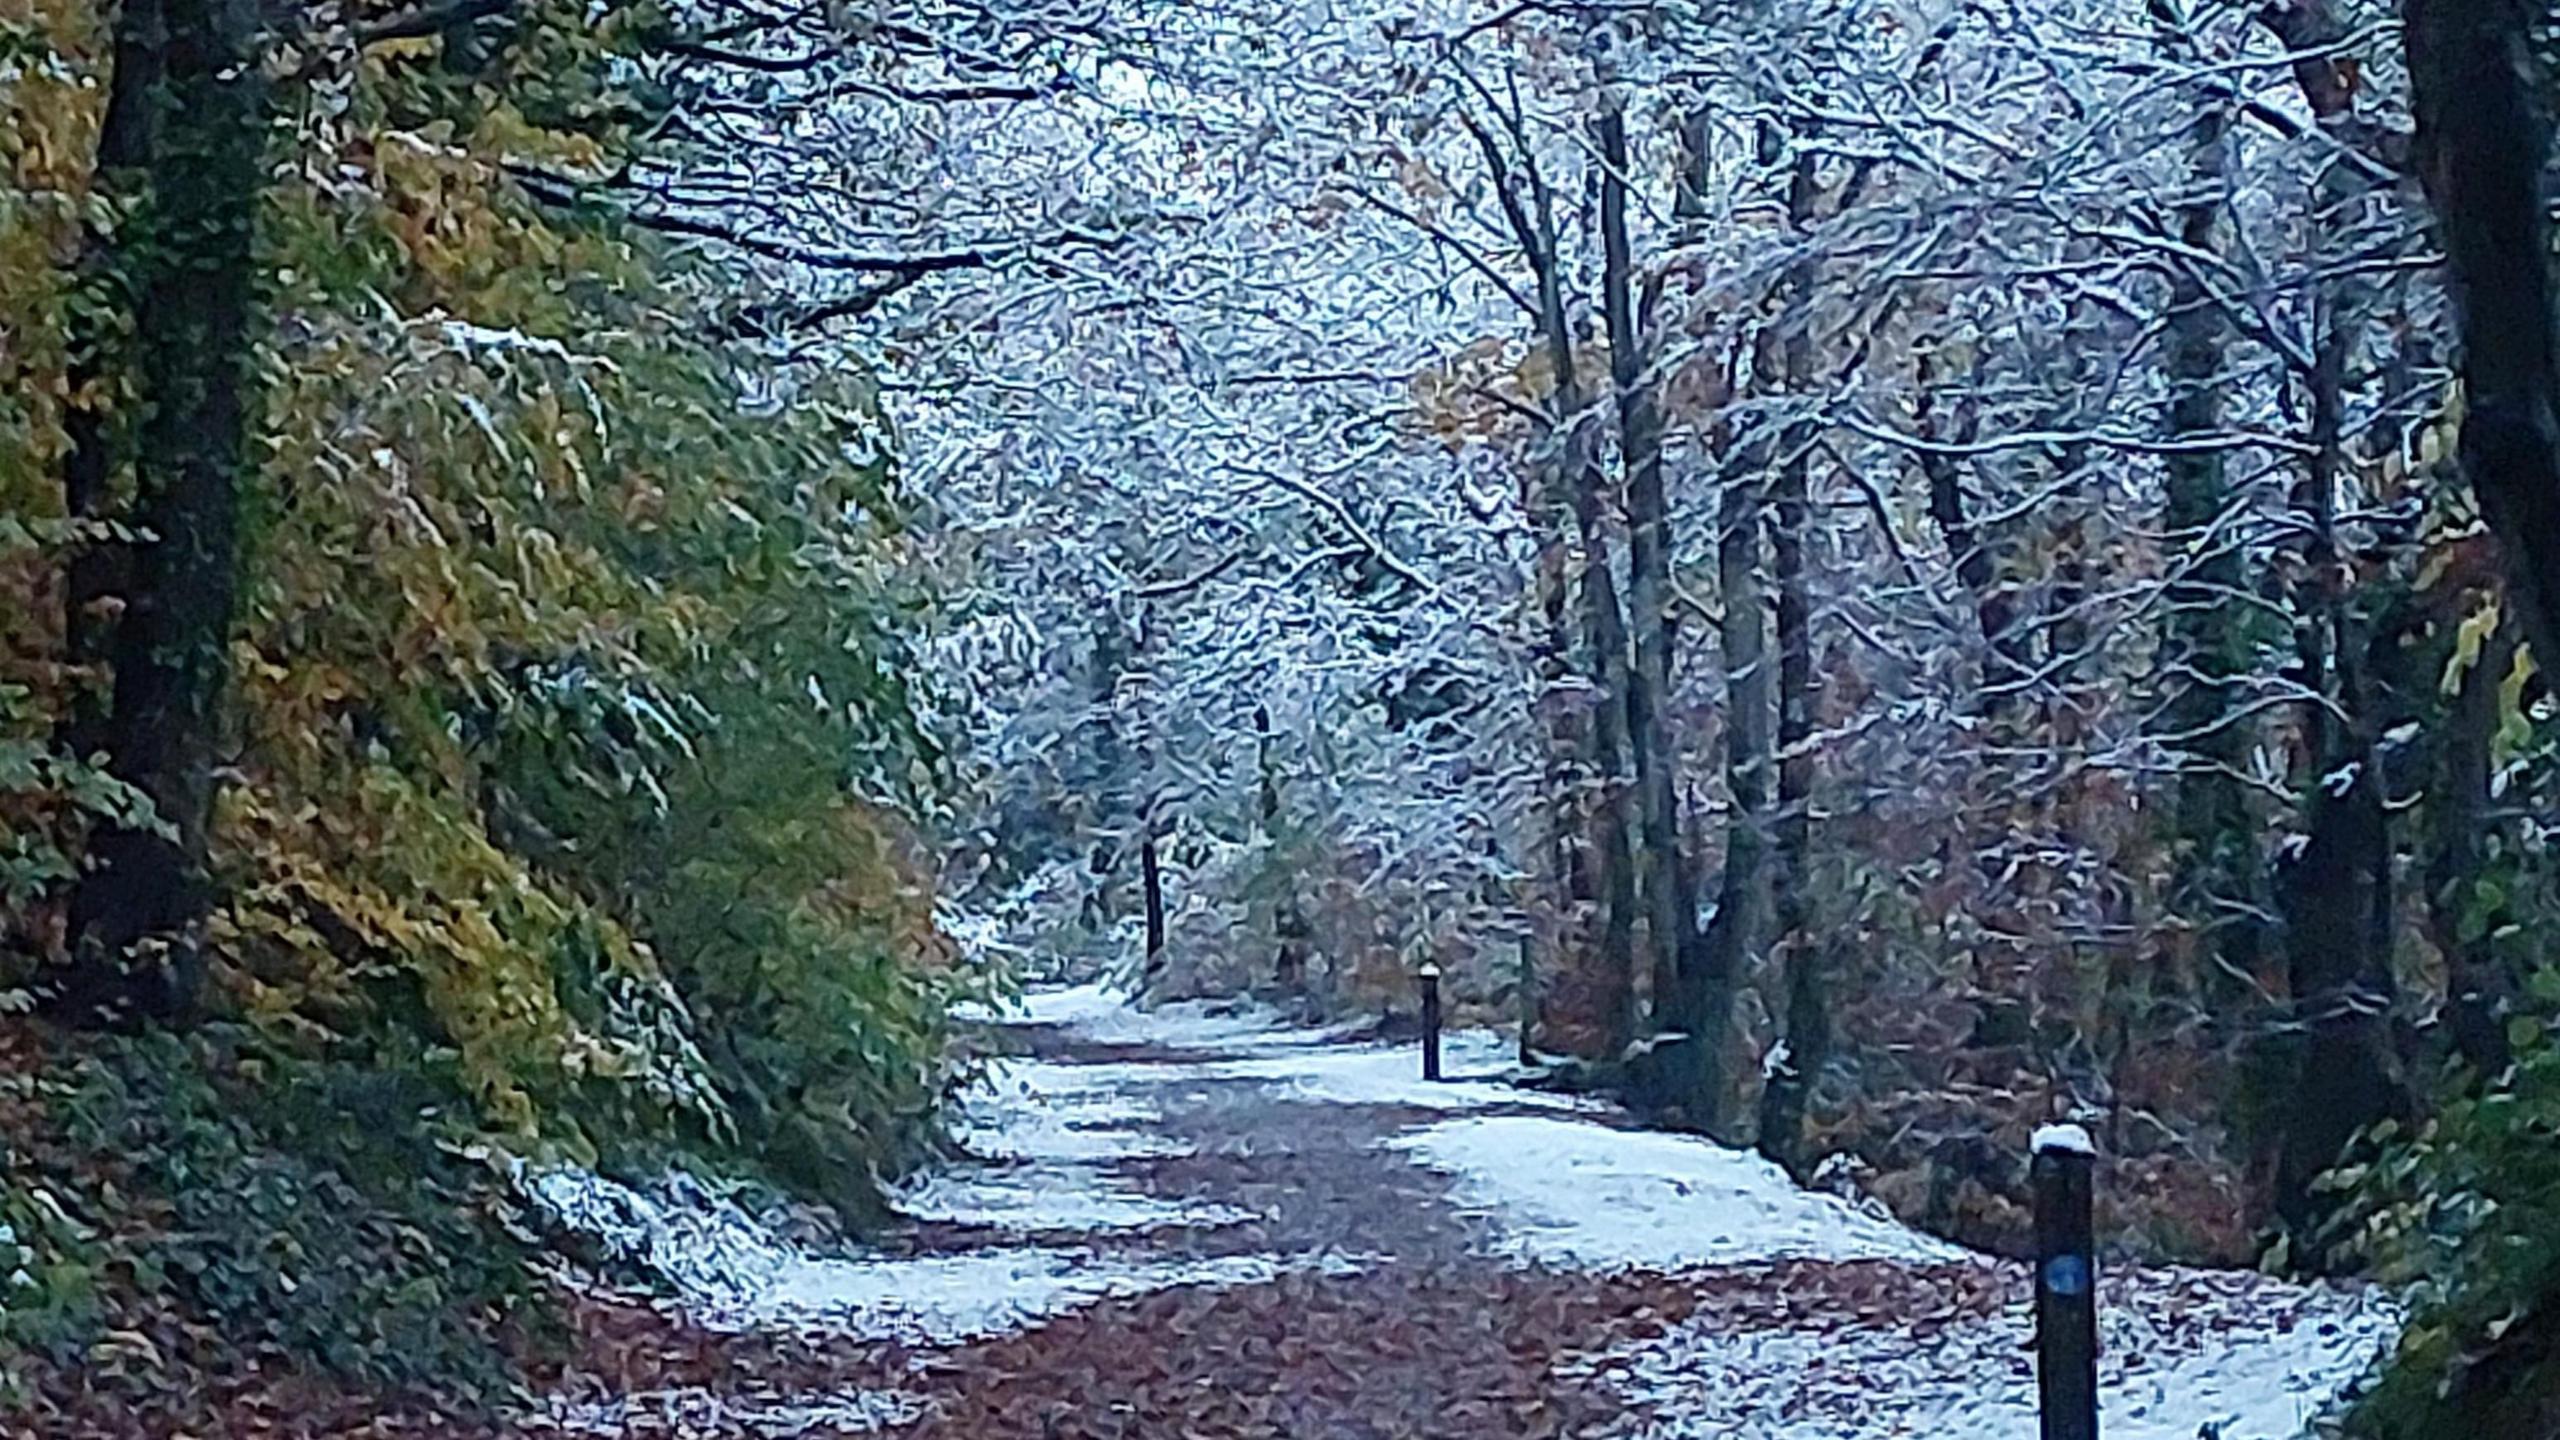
(1430, 976)
(2062, 1172)
(1528, 1004)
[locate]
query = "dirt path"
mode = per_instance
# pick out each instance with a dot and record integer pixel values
(1394, 1318)
(1194, 1226)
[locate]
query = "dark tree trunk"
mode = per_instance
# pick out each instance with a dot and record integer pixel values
(2460, 917)
(1743, 908)
(2321, 623)
(1604, 637)
(1808, 1019)
(1592, 999)
(138, 916)
(2204, 657)
(1151, 875)
(1605, 640)
(2483, 148)
(1670, 904)
(98, 570)
(1808, 1014)
(1289, 968)
(1108, 798)
(1743, 895)
(2483, 145)
(2337, 895)
(2342, 994)
(2005, 662)
(1568, 892)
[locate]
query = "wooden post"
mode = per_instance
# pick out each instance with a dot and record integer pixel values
(1528, 1003)
(2066, 1283)
(1430, 975)
(1151, 874)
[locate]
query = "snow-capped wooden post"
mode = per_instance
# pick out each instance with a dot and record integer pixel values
(2062, 1173)
(1430, 977)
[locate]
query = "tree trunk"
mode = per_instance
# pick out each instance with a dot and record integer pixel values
(1289, 967)
(2342, 994)
(138, 916)
(100, 359)
(1569, 890)
(2483, 145)
(2203, 654)
(1670, 904)
(1151, 875)
(1743, 906)
(1605, 640)
(1808, 1017)
(2460, 916)
(1108, 799)
(1604, 637)
(2005, 661)
(1573, 890)
(1742, 898)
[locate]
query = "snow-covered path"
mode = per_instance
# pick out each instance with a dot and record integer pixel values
(1180, 1223)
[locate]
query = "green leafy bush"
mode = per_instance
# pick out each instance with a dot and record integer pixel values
(2465, 1211)
(244, 1205)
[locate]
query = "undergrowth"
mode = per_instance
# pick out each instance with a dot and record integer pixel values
(189, 1208)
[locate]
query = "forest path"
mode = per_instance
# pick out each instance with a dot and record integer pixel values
(1186, 1224)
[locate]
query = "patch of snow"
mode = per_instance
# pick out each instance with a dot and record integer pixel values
(731, 1272)
(1050, 1196)
(2183, 1355)
(1392, 1075)
(1571, 1193)
(703, 1246)
(695, 1411)
(1102, 1013)
(2068, 1139)
(944, 1299)
(1072, 1005)
(1040, 1110)
(1259, 1045)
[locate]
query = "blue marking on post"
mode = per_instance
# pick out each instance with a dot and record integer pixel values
(2067, 1275)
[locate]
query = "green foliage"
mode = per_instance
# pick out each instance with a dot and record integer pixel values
(231, 1199)
(2467, 1211)
(2464, 1208)
(314, 1206)
(43, 795)
(49, 1290)
(576, 686)
(571, 736)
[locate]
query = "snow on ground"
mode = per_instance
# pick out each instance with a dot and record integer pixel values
(936, 1300)
(2188, 1354)
(1099, 1012)
(1026, 1199)
(1242, 1041)
(1044, 1141)
(1041, 1110)
(2184, 1355)
(1569, 1193)
(732, 1272)
(695, 1411)
(1479, 1063)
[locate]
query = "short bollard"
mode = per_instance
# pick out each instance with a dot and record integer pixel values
(1528, 1007)
(2066, 1283)
(1430, 976)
